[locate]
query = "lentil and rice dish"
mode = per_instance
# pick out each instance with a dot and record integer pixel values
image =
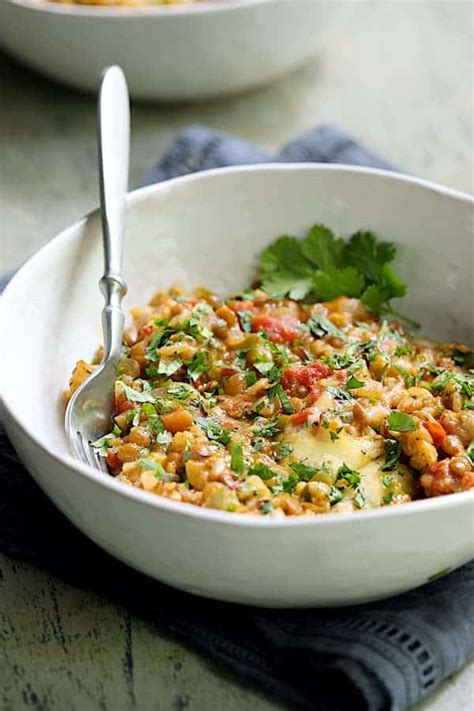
(269, 405)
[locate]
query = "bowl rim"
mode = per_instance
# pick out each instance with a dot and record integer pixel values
(197, 512)
(96, 11)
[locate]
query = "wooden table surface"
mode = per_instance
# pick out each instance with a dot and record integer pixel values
(398, 75)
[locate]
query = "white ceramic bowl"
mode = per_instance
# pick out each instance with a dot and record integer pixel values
(209, 229)
(169, 53)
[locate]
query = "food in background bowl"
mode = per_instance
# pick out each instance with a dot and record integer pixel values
(127, 3)
(270, 405)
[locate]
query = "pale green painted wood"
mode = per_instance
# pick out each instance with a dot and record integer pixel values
(64, 649)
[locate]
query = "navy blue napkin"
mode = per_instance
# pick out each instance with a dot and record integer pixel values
(384, 656)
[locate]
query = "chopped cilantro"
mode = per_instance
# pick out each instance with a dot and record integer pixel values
(289, 484)
(393, 452)
(335, 495)
(155, 467)
(198, 366)
(180, 391)
(351, 476)
(409, 378)
(283, 450)
(168, 367)
(404, 350)
(388, 498)
(338, 393)
(286, 404)
(353, 383)
(260, 469)
(268, 429)
(135, 395)
(304, 471)
(320, 326)
(214, 431)
(250, 378)
(263, 365)
(400, 422)
(245, 320)
(237, 462)
(334, 434)
(159, 339)
(103, 443)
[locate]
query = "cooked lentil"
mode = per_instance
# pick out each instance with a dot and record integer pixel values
(272, 407)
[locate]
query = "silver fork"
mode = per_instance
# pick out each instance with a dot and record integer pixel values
(90, 411)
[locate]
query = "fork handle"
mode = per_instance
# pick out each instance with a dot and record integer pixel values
(114, 153)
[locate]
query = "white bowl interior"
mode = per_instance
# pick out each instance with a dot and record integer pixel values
(209, 229)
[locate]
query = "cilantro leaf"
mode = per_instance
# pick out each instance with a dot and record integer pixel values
(213, 430)
(283, 450)
(335, 495)
(320, 326)
(368, 254)
(237, 462)
(245, 320)
(260, 469)
(268, 429)
(375, 297)
(351, 476)
(353, 383)
(136, 396)
(400, 422)
(198, 366)
(168, 367)
(289, 484)
(322, 248)
(103, 443)
(286, 404)
(285, 270)
(393, 452)
(304, 471)
(333, 282)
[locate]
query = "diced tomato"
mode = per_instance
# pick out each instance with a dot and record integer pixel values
(300, 417)
(437, 432)
(306, 375)
(147, 330)
(315, 394)
(280, 330)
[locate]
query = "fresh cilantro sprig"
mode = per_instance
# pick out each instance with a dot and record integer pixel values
(322, 267)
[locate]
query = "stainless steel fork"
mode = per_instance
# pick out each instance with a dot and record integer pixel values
(89, 414)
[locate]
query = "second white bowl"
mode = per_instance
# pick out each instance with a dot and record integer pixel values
(168, 53)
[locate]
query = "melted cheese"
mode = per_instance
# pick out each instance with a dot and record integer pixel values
(364, 454)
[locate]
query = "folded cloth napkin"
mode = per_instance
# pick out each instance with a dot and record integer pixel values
(374, 657)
